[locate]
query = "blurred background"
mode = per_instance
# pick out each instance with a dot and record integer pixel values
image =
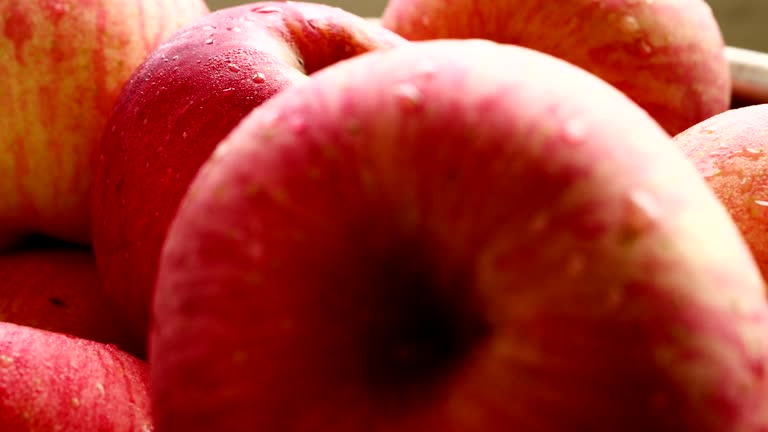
(743, 21)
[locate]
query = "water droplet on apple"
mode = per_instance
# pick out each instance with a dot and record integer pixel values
(259, 78)
(5, 361)
(174, 58)
(209, 41)
(574, 130)
(630, 24)
(299, 126)
(233, 67)
(642, 210)
(644, 46)
(409, 95)
(100, 389)
(210, 27)
(235, 29)
(267, 9)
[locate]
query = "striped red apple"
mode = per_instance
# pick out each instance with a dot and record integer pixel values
(62, 64)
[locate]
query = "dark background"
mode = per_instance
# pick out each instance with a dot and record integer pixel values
(744, 22)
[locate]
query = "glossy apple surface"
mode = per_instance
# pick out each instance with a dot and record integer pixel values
(731, 151)
(180, 103)
(469, 237)
(668, 56)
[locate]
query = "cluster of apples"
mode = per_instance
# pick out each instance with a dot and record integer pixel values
(473, 215)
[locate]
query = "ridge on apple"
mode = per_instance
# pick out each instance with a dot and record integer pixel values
(178, 105)
(470, 237)
(668, 56)
(62, 64)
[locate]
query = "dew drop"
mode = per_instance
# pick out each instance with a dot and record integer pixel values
(209, 41)
(642, 210)
(233, 67)
(259, 78)
(100, 388)
(644, 46)
(630, 24)
(5, 361)
(761, 203)
(574, 130)
(299, 126)
(409, 95)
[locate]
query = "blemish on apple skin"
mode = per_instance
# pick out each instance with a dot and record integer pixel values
(100, 389)
(75, 402)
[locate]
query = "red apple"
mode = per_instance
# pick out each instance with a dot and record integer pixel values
(180, 103)
(57, 290)
(62, 64)
(731, 151)
(668, 56)
(55, 382)
(470, 237)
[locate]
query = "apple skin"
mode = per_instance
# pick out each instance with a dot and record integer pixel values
(470, 237)
(51, 381)
(730, 151)
(668, 56)
(63, 63)
(58, 289)
(180, 103)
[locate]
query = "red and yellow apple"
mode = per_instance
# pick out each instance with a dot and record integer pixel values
(55, 382)
(455, 236)
(58, 289)
(62, 64)
(180, 103)
(730, 150)
(668, 56)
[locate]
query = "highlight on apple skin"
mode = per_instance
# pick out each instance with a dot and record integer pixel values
(730, 151)
(62, 65)
(668, 56)
(469, 237)
(51, 381)
(180, 103)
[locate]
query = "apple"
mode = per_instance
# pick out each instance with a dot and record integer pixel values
(470, 237)
(730, 151)
(62, 64)
(186, 96)
(55, 382)
(668, 56)
(57, 289)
